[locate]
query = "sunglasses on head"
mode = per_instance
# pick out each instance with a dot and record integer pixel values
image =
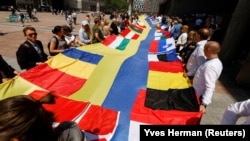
(31, 34)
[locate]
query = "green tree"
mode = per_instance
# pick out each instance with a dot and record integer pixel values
(115, 5)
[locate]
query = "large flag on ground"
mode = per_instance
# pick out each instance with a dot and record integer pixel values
(173, 90)
(114, 82)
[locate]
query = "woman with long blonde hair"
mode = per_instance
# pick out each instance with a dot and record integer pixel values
(189, 46)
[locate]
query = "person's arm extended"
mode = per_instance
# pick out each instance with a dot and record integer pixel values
(235, 111)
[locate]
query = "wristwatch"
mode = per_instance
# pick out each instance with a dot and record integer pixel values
(204, 105)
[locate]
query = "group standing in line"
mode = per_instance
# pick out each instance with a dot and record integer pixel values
(198, 53)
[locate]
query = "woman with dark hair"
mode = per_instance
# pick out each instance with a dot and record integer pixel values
(57, 43)
(24, 119)
(189, 47)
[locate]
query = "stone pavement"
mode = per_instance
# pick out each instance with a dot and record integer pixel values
(226, 91)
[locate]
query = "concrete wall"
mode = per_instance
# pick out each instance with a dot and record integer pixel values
(176, 7)
(235, 47)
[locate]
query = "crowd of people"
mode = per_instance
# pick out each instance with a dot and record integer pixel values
(22, 13)
(31, 52)
(196, 48)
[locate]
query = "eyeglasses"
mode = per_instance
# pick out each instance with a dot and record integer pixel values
(31, 34)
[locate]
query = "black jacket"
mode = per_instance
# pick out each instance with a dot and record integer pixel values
(27, 56)
(114, 29)
(5, 69)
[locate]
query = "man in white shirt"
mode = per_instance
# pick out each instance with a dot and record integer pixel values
(197, 58)
(207, 74)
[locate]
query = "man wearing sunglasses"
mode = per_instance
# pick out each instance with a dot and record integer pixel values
(31, 52)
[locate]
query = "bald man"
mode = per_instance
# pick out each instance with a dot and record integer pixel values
(207, 74)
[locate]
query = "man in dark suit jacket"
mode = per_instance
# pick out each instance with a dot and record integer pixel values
(31, 52)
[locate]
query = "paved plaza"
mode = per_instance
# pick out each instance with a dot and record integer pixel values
(226, 92)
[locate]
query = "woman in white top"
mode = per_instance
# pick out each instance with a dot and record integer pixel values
(70, 38)
(182, 39)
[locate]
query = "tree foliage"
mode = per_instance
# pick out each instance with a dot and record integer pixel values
(115, 5)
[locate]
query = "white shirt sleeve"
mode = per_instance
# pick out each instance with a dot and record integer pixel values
(235, 111)
(210, 76)
(196, 59)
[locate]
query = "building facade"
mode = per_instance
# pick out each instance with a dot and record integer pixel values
(85, 5)
(152, 7)
(138, 5)
(47, 5)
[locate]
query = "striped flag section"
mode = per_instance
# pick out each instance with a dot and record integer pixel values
(128, 34)
(61, 105)
(172, 99)
(166, 75)
(116, 42)
(174, 67)
(166, 57)
(63, 70)
(98, 123)
(166, 80)
(167, 92)
(160, 37)
(141, 24)
(164, 45)
(164, 26)
(158, 34)
(45, 77)
(166, 33)
(141, 115)
(161, 33)
(136, 28)
(162, 50)
(154, 21)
